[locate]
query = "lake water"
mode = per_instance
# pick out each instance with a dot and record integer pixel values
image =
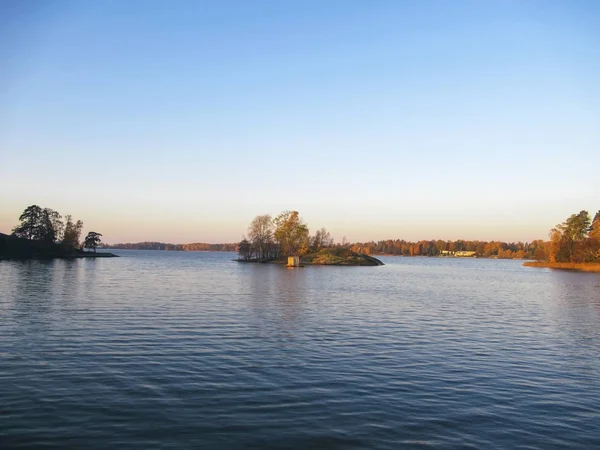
(193, 350)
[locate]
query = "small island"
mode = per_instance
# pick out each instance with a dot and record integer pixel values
(42, 234)
(274, 240)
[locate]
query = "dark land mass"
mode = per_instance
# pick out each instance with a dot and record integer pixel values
(327, 257)
(12, 247)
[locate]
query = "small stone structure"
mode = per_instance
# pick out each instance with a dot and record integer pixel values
(293, 261)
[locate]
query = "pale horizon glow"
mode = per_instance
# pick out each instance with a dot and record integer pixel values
(180, 122)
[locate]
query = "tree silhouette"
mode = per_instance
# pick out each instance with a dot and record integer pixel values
(245, 250)
(30, 223)
(51, 226)
(321, 239)
(92, 240)
(39, 224)
(72, 232)
(260, 235)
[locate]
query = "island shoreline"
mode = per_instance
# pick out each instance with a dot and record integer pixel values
(49, 257)
(324, 257)
(576, 267)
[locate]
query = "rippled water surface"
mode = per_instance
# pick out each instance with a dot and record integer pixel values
(193, 350)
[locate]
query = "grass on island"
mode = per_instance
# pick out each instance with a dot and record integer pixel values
(340, 257)
(326, 257)
(581, 267)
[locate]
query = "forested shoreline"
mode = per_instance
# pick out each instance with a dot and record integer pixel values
(576, 240)
(574, 244)
(393, 247)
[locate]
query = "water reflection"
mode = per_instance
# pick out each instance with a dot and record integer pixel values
(277, 295)
(576, 312)
(578, 288)
(34, 286)
(292, 295)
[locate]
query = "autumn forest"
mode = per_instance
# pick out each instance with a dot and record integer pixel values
(576, 240)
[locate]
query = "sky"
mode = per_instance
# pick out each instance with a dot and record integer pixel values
(179, 121)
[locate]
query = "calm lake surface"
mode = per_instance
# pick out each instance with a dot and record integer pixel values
(193, 350)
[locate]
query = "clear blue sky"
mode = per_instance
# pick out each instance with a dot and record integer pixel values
(180, 121)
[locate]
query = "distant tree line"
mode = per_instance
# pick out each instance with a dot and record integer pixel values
(147, 246)
(537, 249)
(260, 243)
(200, 246)
(197, 246)
(47, 226)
